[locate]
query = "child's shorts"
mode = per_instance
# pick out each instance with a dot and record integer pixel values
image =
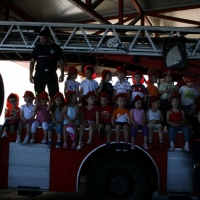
(65, 122)
(122, 123)
(186, 108)
(155, 126)
(7, 124)
(28, 123)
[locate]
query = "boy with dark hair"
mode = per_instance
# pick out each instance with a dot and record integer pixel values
(12, 115)
(105, 85)
(89, 84)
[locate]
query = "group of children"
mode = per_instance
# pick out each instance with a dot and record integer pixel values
(103, 107)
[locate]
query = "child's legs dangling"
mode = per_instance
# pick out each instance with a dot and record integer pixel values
(187, 133)
(160, 133)
(126, 133)
(75, 132)
(151, 133)
(145, 132)
(133, 134)
(81, 130)
(118, 129)
(91, 130)
(172, 132)
(45, 128)
(34, 126)
(108, 132)
(64, 133)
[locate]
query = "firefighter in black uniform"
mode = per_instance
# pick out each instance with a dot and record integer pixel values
(196, 155)
(46, 54)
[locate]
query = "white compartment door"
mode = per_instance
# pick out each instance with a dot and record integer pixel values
(29, 165)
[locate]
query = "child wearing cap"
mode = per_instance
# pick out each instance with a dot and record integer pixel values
(43, 116)
(166, 89)
(71, 118)
(105, 86)
(89, 84)
(188, 95)
(56, 108)
(138, 88)
(151, 88)
(154, 119)
(12, 115)
(137, 115)
(27, 115)
(90, 119)
(121, 120)
(105, 112)
(71, 83)
(176, 122)
(122, 85)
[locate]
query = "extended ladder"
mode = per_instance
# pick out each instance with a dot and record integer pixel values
(83, 38)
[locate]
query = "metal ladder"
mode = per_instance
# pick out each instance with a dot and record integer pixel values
(83, 38)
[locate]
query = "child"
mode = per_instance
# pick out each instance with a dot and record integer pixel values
(166, 89)
(105, 86)
(70, 83)
(12, 115)
(27, 117)
(88, 84)
(188, 95)
(71, 117)
(154, 119)
(90, 118)
(57, 119)
(151, 88)
(138, 88)
(176, 121)
(42, 110)
(105, 112)
(122, 85)
(121, 120)
(138, 120)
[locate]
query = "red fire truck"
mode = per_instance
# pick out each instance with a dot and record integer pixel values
(33, 168)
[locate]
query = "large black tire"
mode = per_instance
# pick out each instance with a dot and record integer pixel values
(118, 177)
(1, 94)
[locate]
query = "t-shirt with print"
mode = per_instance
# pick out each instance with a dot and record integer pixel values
(121, 115)
(72, 85)
(122, 87)
(188, 95)
(105, 113)
(138, 89)
(90, 114)
(164, 86)
(13, 112)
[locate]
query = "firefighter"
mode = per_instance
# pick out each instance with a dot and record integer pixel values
(46, 54)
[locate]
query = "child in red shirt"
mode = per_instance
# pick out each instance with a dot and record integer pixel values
(12, 115)
(90, 119)
(105, 112)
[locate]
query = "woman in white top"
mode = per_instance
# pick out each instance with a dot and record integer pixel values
(154, 119)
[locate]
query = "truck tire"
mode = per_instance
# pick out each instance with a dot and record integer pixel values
(1, 94)
(118, 177)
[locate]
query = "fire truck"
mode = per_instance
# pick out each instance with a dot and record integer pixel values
(31, 169)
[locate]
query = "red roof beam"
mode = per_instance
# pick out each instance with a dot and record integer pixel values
(89, 11)
(88, 3)
(176, 19)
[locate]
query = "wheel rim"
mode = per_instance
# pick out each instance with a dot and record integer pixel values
(119, 182)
